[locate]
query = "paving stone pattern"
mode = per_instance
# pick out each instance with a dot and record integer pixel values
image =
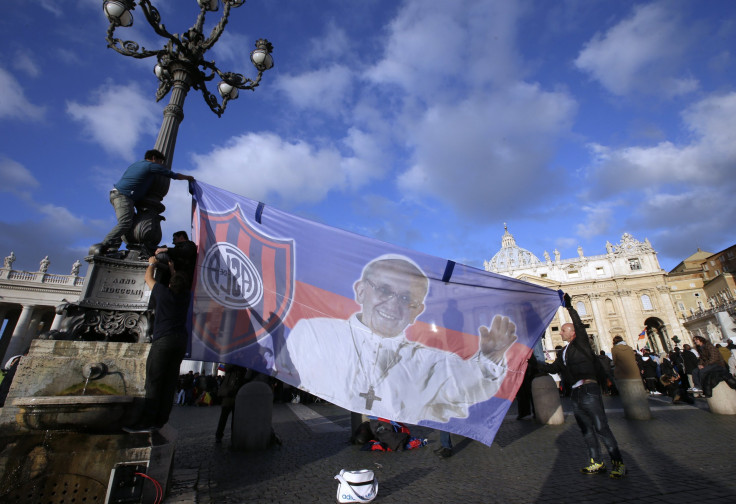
(684, 454)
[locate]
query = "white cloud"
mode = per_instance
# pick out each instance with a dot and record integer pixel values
(264, 166)
(641, 53)
(326, 90)
(670, 190)
(13, 102)
(52, 6)
(335, 44)
(15, 176)
(234, 50)
(482, 154)
(25, 64)
(117, 118)
(709, 158)
(598, 219)
(367, 157)
(433, 45)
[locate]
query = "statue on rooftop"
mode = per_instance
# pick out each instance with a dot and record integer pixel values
(8, 262)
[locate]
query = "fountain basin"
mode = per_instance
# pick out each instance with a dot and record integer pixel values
(97, 413)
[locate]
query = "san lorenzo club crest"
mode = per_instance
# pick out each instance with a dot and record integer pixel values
(245, 282)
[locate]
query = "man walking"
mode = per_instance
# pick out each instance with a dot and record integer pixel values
(577, 366)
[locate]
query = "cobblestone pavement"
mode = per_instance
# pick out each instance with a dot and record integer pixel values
(683, 454)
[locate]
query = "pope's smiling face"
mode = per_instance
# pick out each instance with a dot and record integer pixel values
(391, 296)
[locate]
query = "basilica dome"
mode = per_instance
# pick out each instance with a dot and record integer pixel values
(511, 256)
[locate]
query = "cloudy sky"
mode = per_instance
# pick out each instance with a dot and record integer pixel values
(424, 123)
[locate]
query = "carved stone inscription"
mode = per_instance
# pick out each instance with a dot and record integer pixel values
(131, 288)
(116, 285)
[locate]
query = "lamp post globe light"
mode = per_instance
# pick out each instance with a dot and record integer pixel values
(180, 66)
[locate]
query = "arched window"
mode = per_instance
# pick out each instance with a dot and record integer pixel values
(581, 308)
(646, 303)
(609, 306)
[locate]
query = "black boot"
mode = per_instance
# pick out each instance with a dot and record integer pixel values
(731, 381)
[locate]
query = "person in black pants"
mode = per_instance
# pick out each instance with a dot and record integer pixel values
(576, 364)
(235, 377)
(167, 349)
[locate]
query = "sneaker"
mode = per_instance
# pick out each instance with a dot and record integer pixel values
(594, 468)
(618, 471)
(443, 452)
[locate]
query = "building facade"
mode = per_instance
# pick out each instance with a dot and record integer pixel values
(28, 302)
(623, 292)
(704, 293)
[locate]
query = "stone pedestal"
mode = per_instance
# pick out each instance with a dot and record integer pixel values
(723, 400)
(252, 417)
(547, 404)
(634, 399)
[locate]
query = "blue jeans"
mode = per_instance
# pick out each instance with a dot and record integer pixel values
(587, 406)
(125, 213)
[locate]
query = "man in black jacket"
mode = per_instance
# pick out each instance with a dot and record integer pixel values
(183, 253)
(577, 367)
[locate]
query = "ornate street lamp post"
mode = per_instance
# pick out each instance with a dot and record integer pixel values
(180, 66)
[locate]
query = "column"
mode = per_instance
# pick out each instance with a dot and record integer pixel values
(21, 338)
(56, 323)
(604, 336)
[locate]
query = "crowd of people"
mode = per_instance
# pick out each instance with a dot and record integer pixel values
(681, 373)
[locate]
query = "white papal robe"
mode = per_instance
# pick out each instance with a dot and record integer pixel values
(344, 362)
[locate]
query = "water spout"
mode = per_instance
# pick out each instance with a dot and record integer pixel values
(93, 372)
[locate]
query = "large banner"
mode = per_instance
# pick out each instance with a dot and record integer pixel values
(369, 326)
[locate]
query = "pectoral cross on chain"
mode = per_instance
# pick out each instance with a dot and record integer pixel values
(370, 396)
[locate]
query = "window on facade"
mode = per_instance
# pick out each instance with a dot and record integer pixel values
(581, 308)
(544, 275)
(634, 264)
(574, 274)
(609, 306)
(681, 306)
(717, 272)
(692, 285)
(646, 303)
(600, 271)
(554, 328)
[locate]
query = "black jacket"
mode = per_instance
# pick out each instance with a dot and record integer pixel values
(579, 362)
(690, 360)
(184, 255)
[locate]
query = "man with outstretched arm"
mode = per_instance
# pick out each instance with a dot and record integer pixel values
(576, 366)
